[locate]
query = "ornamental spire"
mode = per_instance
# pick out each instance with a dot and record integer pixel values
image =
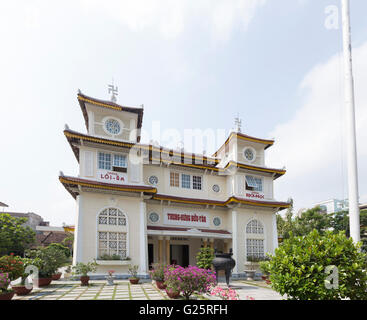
(114, 90)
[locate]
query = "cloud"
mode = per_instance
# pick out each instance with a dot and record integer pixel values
(170, 17)
(312, 144)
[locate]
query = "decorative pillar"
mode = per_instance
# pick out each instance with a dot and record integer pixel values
(211, 241)
(143, 247)
(160, 250)
(275, 233)
(235, 240)
(78, 241)
(205, 241)
(168, 257)
(225, 247)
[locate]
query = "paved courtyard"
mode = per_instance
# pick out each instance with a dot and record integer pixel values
(123, 290)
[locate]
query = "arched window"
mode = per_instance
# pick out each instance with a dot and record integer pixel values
(255, 239)
(255, 226)
(112, 234)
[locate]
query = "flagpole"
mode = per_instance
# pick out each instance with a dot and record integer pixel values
(351, 127)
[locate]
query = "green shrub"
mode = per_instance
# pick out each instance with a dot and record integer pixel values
(62, 248)
(83, 268)
(299, 267)
(49, 260)
(205, 258)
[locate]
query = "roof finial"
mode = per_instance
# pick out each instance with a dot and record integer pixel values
(114, 90)
(237, 123)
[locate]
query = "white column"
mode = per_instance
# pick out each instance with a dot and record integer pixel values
(351, 129)
(275, 233)
(143, 247)
(235, 241)
(78, 239)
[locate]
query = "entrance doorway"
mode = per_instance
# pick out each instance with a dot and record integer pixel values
(150, 255)
(179, 254)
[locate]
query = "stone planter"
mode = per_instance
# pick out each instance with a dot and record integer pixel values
(134, 280)
(56, 276)
(84, 280)
(43, 282)
(250, 274)
(252, 266)
(160, 285)
(110, 280)
(172, 293)
(7, 295)
(21, 290)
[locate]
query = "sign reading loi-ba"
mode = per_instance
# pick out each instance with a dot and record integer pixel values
(186, 218)
(111, 177)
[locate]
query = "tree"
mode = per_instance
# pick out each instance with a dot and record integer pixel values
(205, 258)
(312, 219)
(286, 225)
(301, 268)
(14, 237)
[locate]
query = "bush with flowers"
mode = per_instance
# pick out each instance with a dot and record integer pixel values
(12, 265)
(224, 293)
(4, 282)
(188, 280)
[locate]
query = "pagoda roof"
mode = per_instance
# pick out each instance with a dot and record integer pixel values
(83, 99)
(207, 164)
(72, 183)
(242, 136)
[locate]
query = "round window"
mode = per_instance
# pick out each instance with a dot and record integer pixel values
(217, 221)
(154, 217)
(249, 154)
(216, 188)
(113, 126)
(153, 180)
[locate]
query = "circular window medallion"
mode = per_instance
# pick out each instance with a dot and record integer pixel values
(112, 126)
(249, 154)
(216, 188)
(217, 221)
(153, 217)
(153, 180)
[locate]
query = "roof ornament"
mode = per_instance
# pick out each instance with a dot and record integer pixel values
(114, 90)
(237, 123)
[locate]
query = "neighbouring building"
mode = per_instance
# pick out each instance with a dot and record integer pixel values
(48, 234)
(34, 220)
(332, 205)
(146, 204)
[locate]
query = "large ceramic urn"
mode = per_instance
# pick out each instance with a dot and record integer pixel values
(224, 261)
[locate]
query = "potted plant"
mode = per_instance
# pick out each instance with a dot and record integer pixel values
(62, 255)
(265, 269)
(157, 274)
(5, 293)
(82, 269)
(49, 260)
(23, 289)
(133, 271)
(110, 277)
(12, 266)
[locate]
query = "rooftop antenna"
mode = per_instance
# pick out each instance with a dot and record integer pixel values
(114, 90)
(237, 123)
(351, 126)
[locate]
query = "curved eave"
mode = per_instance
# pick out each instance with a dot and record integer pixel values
(69, 182)
(242, 136)
(110, 105)
(73, 135)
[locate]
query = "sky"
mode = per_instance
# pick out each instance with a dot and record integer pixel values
(194, 65)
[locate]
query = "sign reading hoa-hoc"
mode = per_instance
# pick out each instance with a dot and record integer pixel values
(185, 218)
(254, 195)
(111, 177)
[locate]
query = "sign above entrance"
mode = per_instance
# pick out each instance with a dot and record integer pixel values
(185, 218)
(111, 177)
